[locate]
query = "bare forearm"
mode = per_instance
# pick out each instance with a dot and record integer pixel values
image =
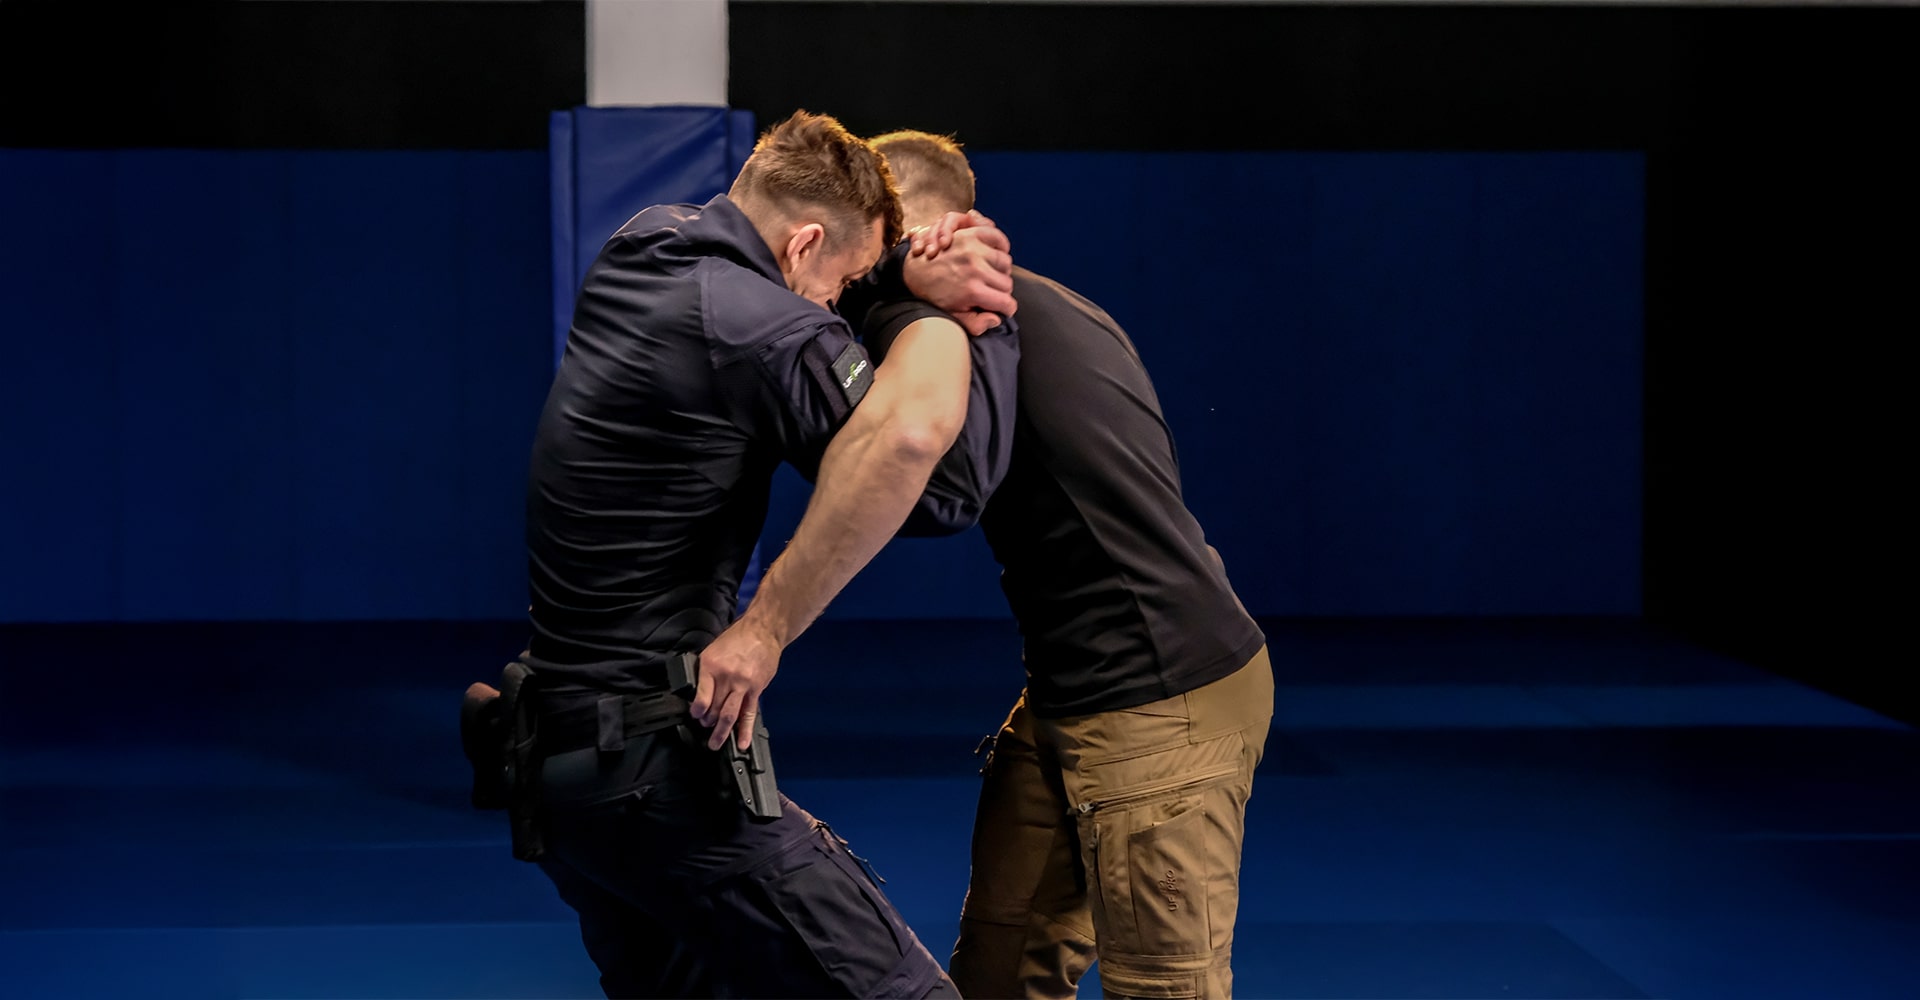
(870, 477)
(869, 481)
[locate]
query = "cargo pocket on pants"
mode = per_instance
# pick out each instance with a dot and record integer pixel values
(844, 923)
(1167, 871)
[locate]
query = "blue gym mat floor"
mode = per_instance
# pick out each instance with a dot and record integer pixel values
(1447, 809)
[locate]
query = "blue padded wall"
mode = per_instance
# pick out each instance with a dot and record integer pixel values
(268, 385)
(59, 434)
(1402, 384)
(607, 164)
(301, 385)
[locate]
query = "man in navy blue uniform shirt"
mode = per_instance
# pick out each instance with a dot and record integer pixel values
(1111, 817)
(703, 353)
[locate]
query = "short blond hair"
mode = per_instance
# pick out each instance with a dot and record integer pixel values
(928, 167)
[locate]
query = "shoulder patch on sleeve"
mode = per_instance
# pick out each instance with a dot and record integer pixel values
(853, 372)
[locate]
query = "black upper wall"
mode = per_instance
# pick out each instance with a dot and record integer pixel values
(335, 74)
(1206, 76)
(1343, 76)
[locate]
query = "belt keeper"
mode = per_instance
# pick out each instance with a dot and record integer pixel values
(613, 724)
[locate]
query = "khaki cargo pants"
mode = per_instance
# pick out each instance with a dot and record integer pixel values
(1114, 835)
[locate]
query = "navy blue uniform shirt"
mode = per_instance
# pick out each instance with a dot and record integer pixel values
(690, 373)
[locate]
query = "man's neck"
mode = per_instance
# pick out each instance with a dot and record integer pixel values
(770, 225)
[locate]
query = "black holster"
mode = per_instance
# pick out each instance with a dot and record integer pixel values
(498, 735)
(751, 770)
(522, 770)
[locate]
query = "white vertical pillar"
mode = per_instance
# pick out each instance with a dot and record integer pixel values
(651, 52)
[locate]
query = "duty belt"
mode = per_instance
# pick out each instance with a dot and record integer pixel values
(607, 721)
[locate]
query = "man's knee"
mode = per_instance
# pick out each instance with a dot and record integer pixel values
(1037, 957)
(986, 958)
(839, 917)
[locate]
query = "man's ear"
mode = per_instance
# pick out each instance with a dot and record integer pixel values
(804, 242)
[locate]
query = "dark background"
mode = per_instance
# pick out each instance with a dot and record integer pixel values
(1778, 211)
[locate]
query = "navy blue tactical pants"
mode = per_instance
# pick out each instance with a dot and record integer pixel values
(680, 894)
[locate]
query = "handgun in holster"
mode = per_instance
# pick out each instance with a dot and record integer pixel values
(498, 734)
(751, 769)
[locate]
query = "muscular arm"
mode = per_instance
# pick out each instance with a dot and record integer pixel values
(972, 469)
(870, 477)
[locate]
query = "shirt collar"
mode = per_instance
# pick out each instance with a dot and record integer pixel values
(724, 223)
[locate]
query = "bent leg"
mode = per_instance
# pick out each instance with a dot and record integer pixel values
(1160, 795)
(1025, 931)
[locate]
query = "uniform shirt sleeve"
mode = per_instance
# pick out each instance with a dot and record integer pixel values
(972, 469)
(794, 391)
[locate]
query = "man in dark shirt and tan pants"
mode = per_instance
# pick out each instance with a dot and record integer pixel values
(1113, 810)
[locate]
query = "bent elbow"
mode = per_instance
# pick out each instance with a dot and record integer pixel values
(921, 441)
